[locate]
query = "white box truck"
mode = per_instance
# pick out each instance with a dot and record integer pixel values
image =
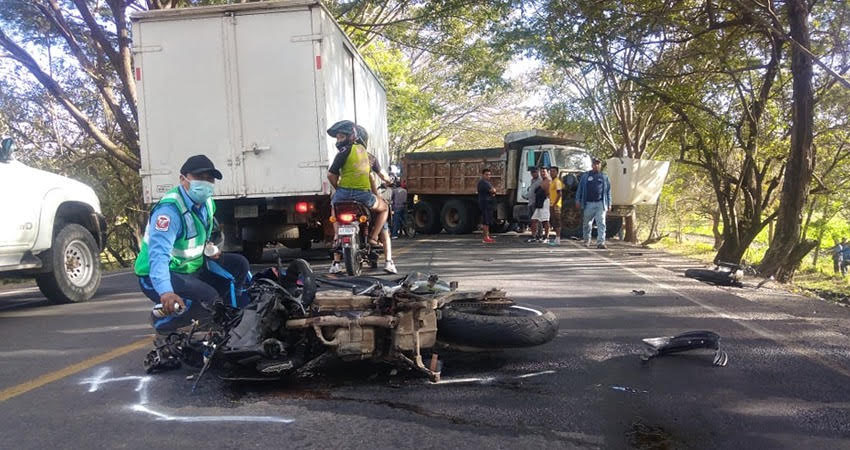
(254, 87)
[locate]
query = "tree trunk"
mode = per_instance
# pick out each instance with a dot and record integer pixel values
(786, 249)
(715, 229)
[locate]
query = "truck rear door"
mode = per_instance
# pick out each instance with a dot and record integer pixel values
(277, 104)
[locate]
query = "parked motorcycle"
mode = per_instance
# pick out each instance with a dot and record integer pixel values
(296, 320)
(354, 220)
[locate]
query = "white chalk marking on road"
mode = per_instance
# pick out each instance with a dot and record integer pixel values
(536, 374)
(197, 419)
(99, 379)
(767, 334)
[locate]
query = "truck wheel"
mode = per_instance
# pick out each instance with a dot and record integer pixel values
(75, 267)
(456, 217)
(425, 218)
(253, 251)
(613, 226)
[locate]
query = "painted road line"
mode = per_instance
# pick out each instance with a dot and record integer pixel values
(36, 383)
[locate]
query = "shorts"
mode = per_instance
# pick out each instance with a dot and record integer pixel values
(542, 214)
(555, 216)
(354, 195)
(486, 212)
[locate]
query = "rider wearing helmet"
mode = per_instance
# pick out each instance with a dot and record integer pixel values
(349, 173)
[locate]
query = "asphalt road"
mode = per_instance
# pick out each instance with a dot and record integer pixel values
(71, 375)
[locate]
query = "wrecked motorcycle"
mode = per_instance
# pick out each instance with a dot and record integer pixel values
(296, 320)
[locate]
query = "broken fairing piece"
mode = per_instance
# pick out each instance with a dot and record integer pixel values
(692, 340)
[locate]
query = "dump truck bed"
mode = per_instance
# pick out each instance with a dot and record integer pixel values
(455, 172)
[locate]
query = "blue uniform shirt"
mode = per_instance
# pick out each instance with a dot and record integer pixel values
(161, 241)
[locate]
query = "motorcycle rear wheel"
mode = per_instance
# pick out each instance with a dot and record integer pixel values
(352, 261)
(510, 327)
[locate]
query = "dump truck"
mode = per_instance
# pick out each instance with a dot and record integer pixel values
(254, 87)
(444, 183)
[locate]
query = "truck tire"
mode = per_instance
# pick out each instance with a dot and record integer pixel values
(456, 217)
(511, 327)
(426, 218)
(253, 251)
(74, 261)
(613, 225)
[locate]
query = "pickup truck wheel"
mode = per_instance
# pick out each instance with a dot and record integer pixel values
(456, 217)
(75, 267)
(426, 218)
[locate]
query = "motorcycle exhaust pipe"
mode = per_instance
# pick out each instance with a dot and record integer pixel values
(336, 321)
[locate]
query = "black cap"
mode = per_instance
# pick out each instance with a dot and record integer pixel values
(596, 160)
(199, 164)
(534, 169)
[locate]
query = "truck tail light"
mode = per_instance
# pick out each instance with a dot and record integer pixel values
(302, 207)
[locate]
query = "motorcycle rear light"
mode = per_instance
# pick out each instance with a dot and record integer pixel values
(346, 217)
(302, 207)
(362, 219)
(332, 219)
(346, 240)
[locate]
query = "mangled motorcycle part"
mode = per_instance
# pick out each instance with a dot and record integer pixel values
(691, 340)
(725, 274)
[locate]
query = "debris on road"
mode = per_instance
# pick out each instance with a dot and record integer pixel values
(691, 340)
(724, 274)
(638, 292)
(629, 389)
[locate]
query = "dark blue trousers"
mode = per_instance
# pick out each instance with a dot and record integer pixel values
(224, 279)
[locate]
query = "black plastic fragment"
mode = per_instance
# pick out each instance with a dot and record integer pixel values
(691, 340)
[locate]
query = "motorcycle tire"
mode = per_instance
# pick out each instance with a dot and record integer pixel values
(717, 277)
(300, 269)
(352, 262)
(511, 327)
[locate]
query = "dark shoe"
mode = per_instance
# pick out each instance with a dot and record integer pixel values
(601, 245)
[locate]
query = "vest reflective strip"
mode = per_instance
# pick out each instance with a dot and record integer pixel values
(189, 253)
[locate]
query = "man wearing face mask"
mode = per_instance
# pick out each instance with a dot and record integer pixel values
(171, 265)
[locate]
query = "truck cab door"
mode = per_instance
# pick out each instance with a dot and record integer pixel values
(21, 199)
(530, 158)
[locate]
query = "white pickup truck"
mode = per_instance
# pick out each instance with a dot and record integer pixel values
(51, 228)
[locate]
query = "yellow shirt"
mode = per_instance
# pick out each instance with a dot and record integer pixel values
(555, 186)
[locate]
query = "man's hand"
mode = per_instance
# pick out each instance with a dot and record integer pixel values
(171, 303)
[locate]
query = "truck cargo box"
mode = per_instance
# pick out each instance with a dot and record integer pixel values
(254, 87)
(636, 181)
(454, 172)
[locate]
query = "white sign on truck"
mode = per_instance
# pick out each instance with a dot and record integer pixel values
(254, 87)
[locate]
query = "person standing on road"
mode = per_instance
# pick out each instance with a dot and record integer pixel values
(399, 207)
(171, 265)
(845, 256)
(530, 196)
(541, 206)
(594, 199)
(556, 190)
(486, 193)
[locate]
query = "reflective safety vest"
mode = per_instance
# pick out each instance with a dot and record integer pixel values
(354, 174)
(187, 255)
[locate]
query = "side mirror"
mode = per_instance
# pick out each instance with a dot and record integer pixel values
(6, 148)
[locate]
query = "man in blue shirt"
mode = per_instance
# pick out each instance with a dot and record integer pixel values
(594, 199)
(174, 266)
